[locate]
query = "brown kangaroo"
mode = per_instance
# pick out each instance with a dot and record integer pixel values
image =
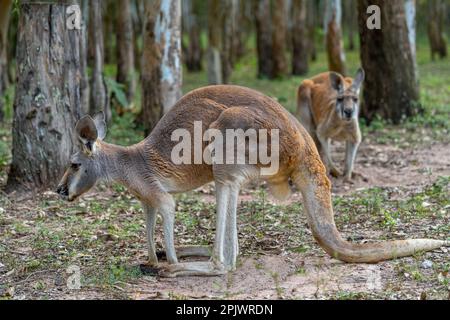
(328, 107)
(147, 170)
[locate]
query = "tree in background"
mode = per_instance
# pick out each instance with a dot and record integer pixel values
(108, 14)
(5, 12)
(394, 92)
(263, 37)
(435, 28)
(99, 100)
(333, 36)
(214, 59)
(311, 17)
(300, 54)
(279, 32)
(193, 54)
(161, 60)
(351, 21)
(125, 48)
(84, 84)
(47, 99)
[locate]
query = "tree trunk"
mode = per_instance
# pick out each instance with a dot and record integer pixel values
(279, 31)
(5, 12)
(125, 52)
(47, 100)
(108, 8)
(228, 34)
(351, 22)
(311, 8)
(193, 56)
(388, 57)
(215, 74)
(300, 54)
(438, 44)
(99, 92)
(84, 84)
(161, 60)
(263, 37)
(333, 35)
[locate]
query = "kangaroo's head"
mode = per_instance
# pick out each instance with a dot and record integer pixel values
(84, 169)
(347, 99)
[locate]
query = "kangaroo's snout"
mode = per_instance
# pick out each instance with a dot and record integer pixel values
(348, 113)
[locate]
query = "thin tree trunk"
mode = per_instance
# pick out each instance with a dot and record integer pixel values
(228, 33)
(351, 22)
(300, 54)
(47, 100)
(125, 52)
(193, 56)
(438, 44)
(311, 8)
(108, 13)
(5, 13)
(263, 37)
(333, 35)
(161, 60)
(215, 74)
(279, 31)
(84, 84)
(388, 57)
(99, 92)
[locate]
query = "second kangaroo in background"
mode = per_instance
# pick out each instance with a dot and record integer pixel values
(328, 107)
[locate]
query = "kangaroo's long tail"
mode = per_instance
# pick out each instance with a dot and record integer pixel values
(315, 188)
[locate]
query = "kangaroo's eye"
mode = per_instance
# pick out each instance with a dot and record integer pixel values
(355, 99)
(75, 166)
(340, 99)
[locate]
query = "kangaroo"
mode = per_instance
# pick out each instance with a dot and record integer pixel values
(147, 171)
(328, 107)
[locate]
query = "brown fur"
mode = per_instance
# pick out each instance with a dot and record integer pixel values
(147, 170)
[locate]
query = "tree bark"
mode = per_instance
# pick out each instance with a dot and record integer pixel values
(47, 100)
(215, 45)
(161, 60)
(125, 49)
(435, 28)
(84, 84)
(193, 56)
(228, 16)
(300, 55)
(263, 37)
(99, 92)
(388, 57)
(279, 32)
(333, 36)
(351, 22)
(5, 12)
(311, 8)
(108, 9)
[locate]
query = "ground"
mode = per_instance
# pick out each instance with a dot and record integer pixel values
(406, 194)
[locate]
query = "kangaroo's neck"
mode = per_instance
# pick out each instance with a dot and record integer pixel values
(117, 163)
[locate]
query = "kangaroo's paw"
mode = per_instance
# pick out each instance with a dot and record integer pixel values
(191, 269)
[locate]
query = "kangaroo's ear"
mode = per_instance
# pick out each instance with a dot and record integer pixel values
(337, 82)
(87, 132)
(100, 124)
(359, 79)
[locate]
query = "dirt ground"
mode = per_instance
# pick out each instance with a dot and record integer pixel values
(267, 268)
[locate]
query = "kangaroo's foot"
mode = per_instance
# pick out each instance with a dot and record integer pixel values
(188, 251)
(206, 268)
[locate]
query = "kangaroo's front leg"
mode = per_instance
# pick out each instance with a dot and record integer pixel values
(167, 212)
(325, 144)
(350, 156)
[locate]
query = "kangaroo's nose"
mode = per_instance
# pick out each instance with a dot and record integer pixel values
(348, 113)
